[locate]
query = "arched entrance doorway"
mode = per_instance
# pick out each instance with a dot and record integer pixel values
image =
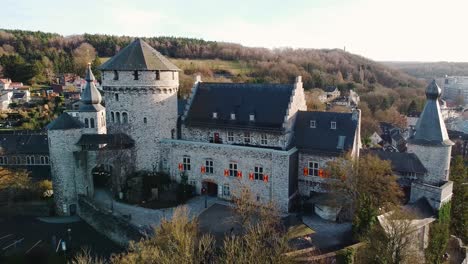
(102, 177)
(210, 187)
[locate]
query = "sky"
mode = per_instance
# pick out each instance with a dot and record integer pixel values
(384, 30)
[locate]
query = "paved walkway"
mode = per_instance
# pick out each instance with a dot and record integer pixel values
(145, 217)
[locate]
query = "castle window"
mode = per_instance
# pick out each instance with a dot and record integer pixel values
(135, 75)
(233, 116)
(112, 117)
(124, 118)
(91, 122)
(209, 166)
(258, 173)
(233, 169)
(46, 160)
(230, 136)
(30, 160)
(145, 120)
(247, 138)
(3, 160)
(251, 117)
(117, 117)
(313, 168)
(42, 160)
(14, 160)
(264, 139)
(313, 124)
(215, 115)
(173, 75)
(193, 183)
(333, 125)
(226, 190)
(186, 163)
(86, 122)
(116, 97)
(116, 75)
(158, 76)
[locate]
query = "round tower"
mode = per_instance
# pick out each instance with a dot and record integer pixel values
(63, 133)
(91, 112)
(430, 141)
(140, 87)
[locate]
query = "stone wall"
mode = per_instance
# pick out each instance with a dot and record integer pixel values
(435, 195)
(312, 183)
(151, 106)
(436, 159)
(116, 228)
(297, 103)
(276, 140)
(275, 164)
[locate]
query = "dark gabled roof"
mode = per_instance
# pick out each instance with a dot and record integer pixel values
(140, 56)
(430, 128)
(329, 89)
(120, 141)
(24, 144)
(401, 162)
(64, 122)
(323, 139)
(268, 102)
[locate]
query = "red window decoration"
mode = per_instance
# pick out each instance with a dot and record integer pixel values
(203, 169)
(251, 176)
(239, 174)
(181, 167)
(226, 172)
(306, 171)
(265, 178)
(321, 174)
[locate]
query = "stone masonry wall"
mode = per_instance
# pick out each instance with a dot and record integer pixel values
(297, 103)
(275, 164)
(312, 183)
(62, 162)
(145, 99)
(436, 159)
(200, 134)
(113, 227)
(436, 196)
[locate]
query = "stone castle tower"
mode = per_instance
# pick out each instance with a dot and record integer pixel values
(431, 144)
(70, 166)
(140, 87)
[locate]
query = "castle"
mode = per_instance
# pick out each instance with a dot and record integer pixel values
(224, 135)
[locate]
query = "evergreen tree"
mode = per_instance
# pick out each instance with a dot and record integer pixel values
(459, 176)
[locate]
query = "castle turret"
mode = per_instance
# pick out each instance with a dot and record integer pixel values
(140, 87)
(91, 112)
(430, 142)
(63, 134)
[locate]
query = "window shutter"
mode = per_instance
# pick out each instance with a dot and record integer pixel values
(226, 172)
(203, 169)
(239, 174)
(306, 171)
(251, 176)
(181, 167)
(265, 178)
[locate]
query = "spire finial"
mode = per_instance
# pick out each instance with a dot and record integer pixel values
(89, 74)
(433, 91)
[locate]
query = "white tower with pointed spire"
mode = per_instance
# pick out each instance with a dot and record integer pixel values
(430, 142)
(91, 113)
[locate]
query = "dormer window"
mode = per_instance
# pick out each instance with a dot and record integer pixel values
(333, 125)
(313, 124)
(116, 75)
(251, 117)
(233, 116)
(215, 115)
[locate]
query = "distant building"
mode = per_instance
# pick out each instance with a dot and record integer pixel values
(20, 97)
(5, 99)
(329, 94)
(5, 84)
(456, 89)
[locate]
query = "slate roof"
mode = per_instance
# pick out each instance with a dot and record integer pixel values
(330, 89)
(91, 97)
(140, 56)
(24, 144)
(120, 140)
(430, 128)
(323, 139)
(19, 95)
(268, 102)
(64, 122)
(401, 162)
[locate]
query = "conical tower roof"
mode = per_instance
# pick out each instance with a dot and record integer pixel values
(138, 56)
(90, 97)
(430, 128)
